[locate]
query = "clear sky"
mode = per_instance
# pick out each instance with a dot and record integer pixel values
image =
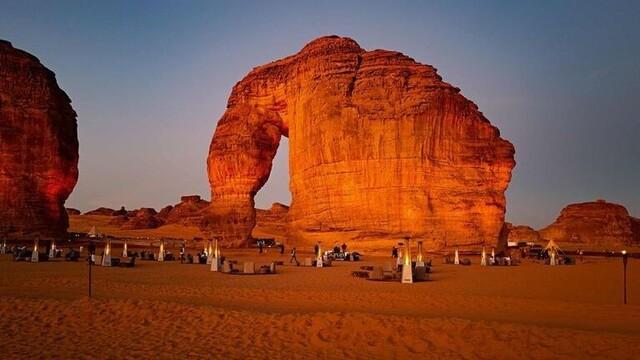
(149, 79)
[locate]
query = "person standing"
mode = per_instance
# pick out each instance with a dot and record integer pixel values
(316, 249)
(260, 244)
(293, 257)
(394, 252)
(281, 249)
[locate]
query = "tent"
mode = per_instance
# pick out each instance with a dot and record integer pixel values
(553, 250)
(93, 232)
(551, 245)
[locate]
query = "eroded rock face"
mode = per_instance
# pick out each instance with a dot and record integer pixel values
(522, 233)
(102, 211)
(189, 212)
(72, 211)
(380, 146)
(38, 147)
(635, 228)
(592, 223)
(145, 218)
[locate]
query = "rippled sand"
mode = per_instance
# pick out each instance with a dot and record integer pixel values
(169, 310)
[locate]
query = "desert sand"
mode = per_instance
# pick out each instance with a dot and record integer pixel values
(171, 310)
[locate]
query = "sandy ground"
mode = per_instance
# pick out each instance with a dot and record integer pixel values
(168, 310)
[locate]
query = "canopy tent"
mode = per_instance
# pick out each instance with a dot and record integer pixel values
(551, 245)
(93, 232)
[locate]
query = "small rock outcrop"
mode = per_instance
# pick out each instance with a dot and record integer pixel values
(379, 144)
(145, 218)
(189, 212)
(597, 223)
(522, 233)
(102, 211)
(72, 211)
(38, 147)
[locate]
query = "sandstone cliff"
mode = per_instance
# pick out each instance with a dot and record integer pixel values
(38, 147)
(380, 146)
(597, 223)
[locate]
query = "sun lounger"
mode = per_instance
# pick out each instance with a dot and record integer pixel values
(377, 273)
(227, 267)
(465, 262)
(360, 274)
(387, 268)
(131, 262)
(420, 273)
(307, 262)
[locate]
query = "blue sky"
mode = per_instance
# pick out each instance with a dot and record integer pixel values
(149, 79)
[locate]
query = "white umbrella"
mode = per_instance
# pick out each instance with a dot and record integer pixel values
(456, 258)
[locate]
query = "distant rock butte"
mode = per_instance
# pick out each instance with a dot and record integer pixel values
(145, 218)
(72, 211)
(522, 233)
(189, 212)
(379, 144)
(593, 223)
(38, 147)
(102, 211)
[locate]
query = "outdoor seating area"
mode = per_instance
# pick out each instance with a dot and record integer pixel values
(387, 272)
(247, 268)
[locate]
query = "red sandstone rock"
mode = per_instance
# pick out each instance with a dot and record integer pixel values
(72, 211)
(38, 147)
(592, 223)
(164, 212)
(379, 144)
(103, 211)
(522, 233)
(118, 220)
(145, 219)
(635, 228)
(188, 212)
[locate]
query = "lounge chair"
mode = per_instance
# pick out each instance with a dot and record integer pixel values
(377, 273)
(420, 273)
(131, 262)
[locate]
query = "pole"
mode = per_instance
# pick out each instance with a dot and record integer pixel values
(90, 255)
(90, 276)
(624, 274)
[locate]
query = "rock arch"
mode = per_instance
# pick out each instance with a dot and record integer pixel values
(380, 147)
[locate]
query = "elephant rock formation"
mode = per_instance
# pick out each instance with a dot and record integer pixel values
(379, 146)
